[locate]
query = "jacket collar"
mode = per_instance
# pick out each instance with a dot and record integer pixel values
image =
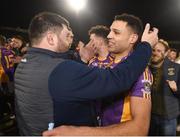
(45, 52)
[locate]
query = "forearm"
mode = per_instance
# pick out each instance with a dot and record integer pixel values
(128, 128)
(138, 125)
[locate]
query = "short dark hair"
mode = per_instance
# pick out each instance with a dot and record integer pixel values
(173, 49)
(99, 30)
(19, 37)
(133, 22)
(43, 22)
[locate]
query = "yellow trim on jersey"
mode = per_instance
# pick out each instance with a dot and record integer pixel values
(7, 61)
(91, 60)
(3, 77)
(147, 76)
(116, 61)
(152, 78)
(102, 58)
(126, 114)
(146, 95)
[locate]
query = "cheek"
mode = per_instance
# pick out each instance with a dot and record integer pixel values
(117, 46)
(174, 55)
(67, 40)
(64, 40)
(162, 55)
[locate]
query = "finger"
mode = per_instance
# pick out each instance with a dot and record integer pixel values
(80, 44)
(147, 28)
(89, 43)
(92, 44)
(155, 30)
(98, 43)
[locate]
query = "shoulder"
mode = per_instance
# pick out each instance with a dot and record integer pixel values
(146, 76)
(142, 88)
(170, 64)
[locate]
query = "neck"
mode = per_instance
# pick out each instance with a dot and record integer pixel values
(119, 56)
(103, 53)
(157, 65)
(44, 45)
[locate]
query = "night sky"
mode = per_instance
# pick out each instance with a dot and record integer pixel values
(164, 14)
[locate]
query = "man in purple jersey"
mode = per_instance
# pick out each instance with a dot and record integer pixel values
(7, 61)
(125, 114)
(118, 109)
(125, 33)
(101, 59)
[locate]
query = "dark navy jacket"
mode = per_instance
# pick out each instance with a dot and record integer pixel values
(74, 86)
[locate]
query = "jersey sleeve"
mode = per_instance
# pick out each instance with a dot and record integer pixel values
(142, 88)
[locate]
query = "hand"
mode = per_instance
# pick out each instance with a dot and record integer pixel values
(97, 44)
(86, 52)
(172, 85)
(150, 36)
(57, 131)
(24, 49)
(17, 59)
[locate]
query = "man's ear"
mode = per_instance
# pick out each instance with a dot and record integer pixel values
(133, 38)
(50, 37)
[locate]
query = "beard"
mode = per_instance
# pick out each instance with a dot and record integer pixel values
(155, 60)
(63, 46)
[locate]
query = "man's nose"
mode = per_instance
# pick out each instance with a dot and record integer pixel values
(109, 35)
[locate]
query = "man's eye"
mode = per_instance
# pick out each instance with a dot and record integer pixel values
(115, 32)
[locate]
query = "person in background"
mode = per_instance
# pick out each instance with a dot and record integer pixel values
(178, 59)
(101, 58)
(7, 57)
(172, 54)
(7, 61)
(165, 92)
(17, 42)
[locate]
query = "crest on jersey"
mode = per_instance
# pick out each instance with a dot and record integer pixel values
(147, 89)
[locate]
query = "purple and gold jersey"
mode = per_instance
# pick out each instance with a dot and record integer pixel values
(118, 108)
(101, 63)
(7, 57)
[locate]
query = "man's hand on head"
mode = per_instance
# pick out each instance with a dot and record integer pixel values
(86, 52)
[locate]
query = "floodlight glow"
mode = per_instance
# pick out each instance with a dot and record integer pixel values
(77, 4)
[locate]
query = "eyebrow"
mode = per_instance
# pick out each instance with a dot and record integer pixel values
(117, 30)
